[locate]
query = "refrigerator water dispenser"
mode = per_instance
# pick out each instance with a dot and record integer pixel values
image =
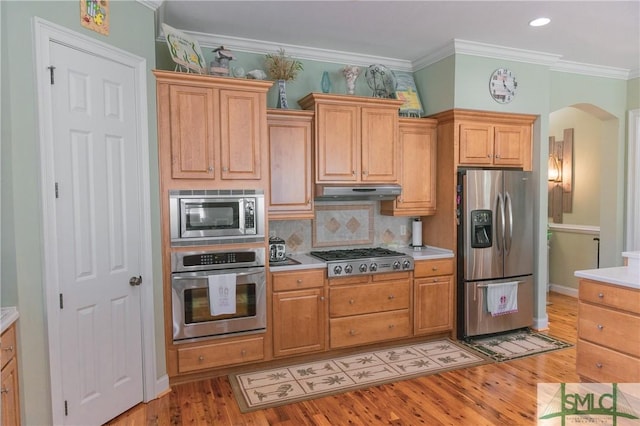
(481, 221)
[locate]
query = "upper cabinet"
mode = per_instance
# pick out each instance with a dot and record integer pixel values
(211, 128)
(290, 161)
(356, 138)
(418, 149)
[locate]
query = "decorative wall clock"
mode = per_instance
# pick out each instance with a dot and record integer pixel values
(503, 85)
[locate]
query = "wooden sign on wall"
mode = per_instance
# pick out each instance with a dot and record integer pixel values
(560, 192)
(94, 15)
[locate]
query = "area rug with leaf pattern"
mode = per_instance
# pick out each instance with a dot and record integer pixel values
(518, 344)
(279, 386)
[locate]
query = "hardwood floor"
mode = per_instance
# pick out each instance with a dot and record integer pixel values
(491, 394)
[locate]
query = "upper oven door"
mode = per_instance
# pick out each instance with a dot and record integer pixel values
(211, 217)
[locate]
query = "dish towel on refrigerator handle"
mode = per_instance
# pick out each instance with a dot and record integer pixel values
(502, 298)
(222, 294)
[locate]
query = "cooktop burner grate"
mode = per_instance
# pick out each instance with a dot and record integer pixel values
(357, 253)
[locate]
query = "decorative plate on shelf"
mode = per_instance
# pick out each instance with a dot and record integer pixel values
(381, 80)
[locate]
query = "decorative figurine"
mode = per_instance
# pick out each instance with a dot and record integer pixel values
(351, 73)
(220, 64)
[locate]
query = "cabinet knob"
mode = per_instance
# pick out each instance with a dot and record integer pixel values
(598, 365)
(243, 352)
(488, 155)
(225, 169)
(391, 326)
(201, 358)
(322, 298)
(364, 173)
(9, 349)
(351, 301)
(434, 268)
(299, 280)
(352, 332)
(600, 326)
(4, 390)
(601, 295)
(353, 172)
(391, 296)
(497, 155)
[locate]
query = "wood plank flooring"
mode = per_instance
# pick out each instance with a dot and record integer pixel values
(492, 394)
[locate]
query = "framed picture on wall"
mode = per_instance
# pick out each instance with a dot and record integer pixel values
(406, 90)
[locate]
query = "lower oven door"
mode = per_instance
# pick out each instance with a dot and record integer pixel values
(192, 301)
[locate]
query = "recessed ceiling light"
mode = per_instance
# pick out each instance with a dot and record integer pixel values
(539, 22)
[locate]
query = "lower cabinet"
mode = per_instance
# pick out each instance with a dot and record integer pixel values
(9, 383)
(433, 296)
(608, 348)
(369, 312)
(299, 312)
(220, 354)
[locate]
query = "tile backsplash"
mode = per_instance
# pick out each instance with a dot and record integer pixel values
(340, 224)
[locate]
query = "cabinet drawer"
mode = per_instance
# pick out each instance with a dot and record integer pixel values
(369, 328)
(626, 299)
(219, 354)
(431, 268)
(8, 345)
(368, 298)
(606, 327)
(297, 280)
(605, 365)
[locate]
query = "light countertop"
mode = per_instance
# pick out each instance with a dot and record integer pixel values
(310, 262)
(626, 276)
(8, 316)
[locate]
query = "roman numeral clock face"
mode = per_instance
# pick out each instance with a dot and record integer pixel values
(503, 85)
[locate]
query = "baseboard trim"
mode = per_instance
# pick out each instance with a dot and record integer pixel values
(562, 289)
(162, 387)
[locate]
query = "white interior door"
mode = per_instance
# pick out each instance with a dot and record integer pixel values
(97, 210)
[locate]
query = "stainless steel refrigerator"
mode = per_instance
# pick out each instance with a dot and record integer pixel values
(495, 246)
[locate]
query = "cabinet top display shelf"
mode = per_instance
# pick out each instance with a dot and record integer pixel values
(312, 98)
(204, 80)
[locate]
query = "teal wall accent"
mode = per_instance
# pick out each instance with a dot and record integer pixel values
(633, 93)
(436, 85)
(132, 29)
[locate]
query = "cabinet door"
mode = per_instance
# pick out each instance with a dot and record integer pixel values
(241, 131)
(193, 132)
(10, 399)
(379, 144)
(337, 143)
(299, 322)
(433, 304)
(290, 165)
(418, 169)
(476, 144)
(510, 145)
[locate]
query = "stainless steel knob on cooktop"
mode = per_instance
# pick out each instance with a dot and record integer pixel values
(396, 265)
(348, 269)
(363, 267)
(406, 264)
(337, 269)
(373, 267)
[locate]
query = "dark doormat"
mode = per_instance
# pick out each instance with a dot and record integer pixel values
(514, 345)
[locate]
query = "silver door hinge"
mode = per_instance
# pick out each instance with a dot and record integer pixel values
(66, 408)
(61, 302)
(57, 193)
(51, 68)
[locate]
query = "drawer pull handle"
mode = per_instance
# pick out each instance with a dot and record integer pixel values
(9, 349)
(600, 326)
(299, 281)
(391, 326)
(4, 390)
(601, 295)
(435, 268)
(243, 352)
(351, 301)
(322, 298)
(598, 364)
(201, 358)
(391, 297)
(352, 332)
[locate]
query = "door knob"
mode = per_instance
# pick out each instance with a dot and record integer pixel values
(135, 281)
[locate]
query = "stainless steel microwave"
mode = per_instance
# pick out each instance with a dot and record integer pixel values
(213, 214)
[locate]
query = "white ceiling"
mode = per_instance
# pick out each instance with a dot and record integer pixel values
(598, 33)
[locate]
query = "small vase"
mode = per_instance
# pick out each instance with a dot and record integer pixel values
(325, 84)
(351, 73)
(282, 94)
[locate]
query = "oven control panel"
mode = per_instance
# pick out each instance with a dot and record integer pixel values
(203, 260)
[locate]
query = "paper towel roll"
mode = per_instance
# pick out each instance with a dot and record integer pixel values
(416, 233)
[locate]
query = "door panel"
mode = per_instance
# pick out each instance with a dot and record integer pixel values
(98, 227)
(518, 190)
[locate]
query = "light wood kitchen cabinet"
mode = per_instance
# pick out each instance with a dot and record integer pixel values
(211, 128)
(374, 310)
(299, 312)
(488, 145)
(356, 138)
(290, 162)
(608, 347)
(418, 150)
(433, 296)
(218, 354)
(9, 385)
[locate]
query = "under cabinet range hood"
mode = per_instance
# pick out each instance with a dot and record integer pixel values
(335, 192)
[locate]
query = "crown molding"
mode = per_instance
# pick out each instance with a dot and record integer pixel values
(151, 4)
(592, 70)
(300, 52)
(485, 50)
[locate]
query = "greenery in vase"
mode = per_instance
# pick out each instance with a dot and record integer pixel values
(281, 67)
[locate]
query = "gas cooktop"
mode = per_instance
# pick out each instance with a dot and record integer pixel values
(360, 261)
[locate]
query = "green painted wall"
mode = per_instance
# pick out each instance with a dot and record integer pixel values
(436, 85)
(132, 29)
(633, 93)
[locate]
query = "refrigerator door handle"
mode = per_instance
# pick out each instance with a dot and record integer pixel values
(508, 236)
(499, 222)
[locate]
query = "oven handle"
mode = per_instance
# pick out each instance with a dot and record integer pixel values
(239, 272)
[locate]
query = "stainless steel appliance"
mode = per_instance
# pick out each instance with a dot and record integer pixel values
(216, 215)
(333, 192)
(495, 246)
(191, 299)
(360, 261)
(277, 250)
